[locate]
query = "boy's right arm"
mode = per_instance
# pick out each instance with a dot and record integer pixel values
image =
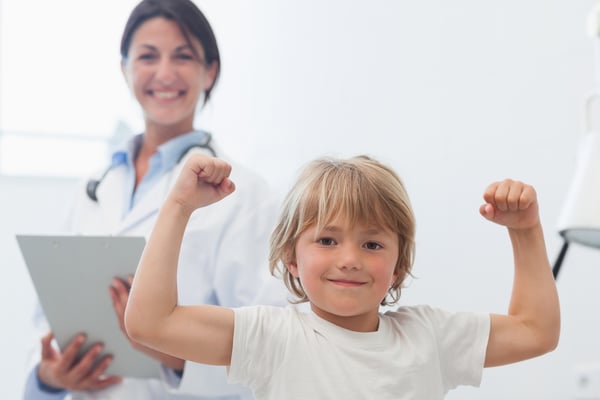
(203, 333)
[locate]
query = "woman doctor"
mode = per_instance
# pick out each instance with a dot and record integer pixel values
(171, 63)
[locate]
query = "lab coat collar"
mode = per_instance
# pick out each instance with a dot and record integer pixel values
(148, 205)
(112, 197)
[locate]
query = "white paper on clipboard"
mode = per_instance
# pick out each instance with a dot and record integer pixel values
(72, 276)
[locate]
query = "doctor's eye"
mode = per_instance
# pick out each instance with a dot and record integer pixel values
(147, 56)
(185, 56)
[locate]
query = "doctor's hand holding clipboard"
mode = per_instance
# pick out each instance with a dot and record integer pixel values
(171, 62)
(86, 330)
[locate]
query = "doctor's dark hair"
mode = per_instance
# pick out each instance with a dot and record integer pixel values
(190, 20)
(361, 191)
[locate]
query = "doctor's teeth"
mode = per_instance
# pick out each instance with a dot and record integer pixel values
(165, 95)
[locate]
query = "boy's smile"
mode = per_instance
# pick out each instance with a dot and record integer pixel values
(346, 272)
(346, 282)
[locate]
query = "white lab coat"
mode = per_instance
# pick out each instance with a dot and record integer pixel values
(223, 261)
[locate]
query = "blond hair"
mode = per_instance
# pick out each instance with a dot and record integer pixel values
(359, 189)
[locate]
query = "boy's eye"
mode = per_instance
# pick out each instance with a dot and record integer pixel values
(326, 241)
(372, 246)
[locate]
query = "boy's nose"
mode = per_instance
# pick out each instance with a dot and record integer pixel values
(349, 258)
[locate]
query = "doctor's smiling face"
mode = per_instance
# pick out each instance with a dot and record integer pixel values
(168, 74)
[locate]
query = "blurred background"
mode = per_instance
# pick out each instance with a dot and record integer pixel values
(453, 95)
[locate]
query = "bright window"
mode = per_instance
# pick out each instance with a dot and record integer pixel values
(63, 99)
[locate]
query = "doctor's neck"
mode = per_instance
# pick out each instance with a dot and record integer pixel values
(155, 136)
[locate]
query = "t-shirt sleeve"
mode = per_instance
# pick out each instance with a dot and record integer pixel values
(259, 338)
(462, 339)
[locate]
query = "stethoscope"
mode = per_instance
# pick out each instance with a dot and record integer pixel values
(92, 186)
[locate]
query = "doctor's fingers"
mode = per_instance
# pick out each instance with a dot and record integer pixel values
(119, 294)
(78, 372)
(48, 352)
(120, 288)
(62, 371)
(70, 354)
(94, 378)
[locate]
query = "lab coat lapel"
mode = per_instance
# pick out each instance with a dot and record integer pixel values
(148, 205)
(111, 197)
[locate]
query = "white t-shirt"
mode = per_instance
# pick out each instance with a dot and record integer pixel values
(417, 353)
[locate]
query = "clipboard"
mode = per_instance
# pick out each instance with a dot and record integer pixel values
(72, 276)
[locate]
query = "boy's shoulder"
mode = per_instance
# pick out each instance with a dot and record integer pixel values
(425, 316)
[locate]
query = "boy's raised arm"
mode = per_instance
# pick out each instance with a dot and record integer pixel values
(152, 317)
(532, 326)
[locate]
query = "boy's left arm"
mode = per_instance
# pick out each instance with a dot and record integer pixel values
(532, 325)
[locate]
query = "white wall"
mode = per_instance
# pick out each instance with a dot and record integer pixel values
(27, 205)
(453, 95)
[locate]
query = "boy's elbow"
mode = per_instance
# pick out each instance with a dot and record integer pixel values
(554, 334)
(134, 326)
(552, 341)
(548, 341)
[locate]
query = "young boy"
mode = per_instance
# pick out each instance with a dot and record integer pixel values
(344, 243)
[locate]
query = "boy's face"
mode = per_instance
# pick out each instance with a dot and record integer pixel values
(346, 272)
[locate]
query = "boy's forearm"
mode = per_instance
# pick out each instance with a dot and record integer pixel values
(534, 299)
(154, 290)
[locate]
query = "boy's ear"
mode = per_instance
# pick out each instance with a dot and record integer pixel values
(292, 267)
